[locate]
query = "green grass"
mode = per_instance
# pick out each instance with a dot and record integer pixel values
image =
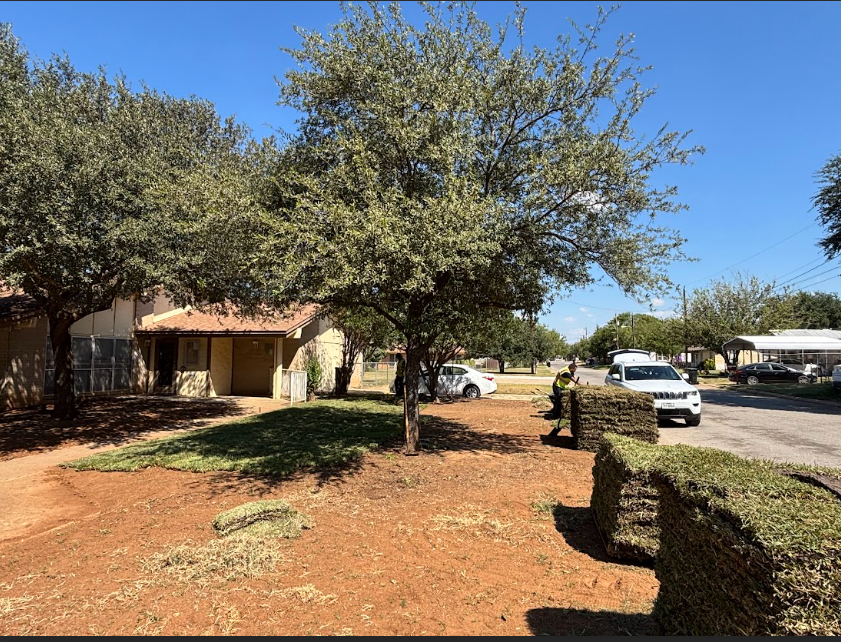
(319, 434)
(803, 391)
(522, 389)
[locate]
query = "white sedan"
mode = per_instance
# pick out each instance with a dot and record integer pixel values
(456, 380)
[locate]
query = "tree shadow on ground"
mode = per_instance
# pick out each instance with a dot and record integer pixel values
(560, 621)
(439, 435)
(109, 420)
(578, 527)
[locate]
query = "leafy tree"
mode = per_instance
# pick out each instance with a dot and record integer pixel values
(817, 310)
(580, 349)
(828, 202)
(106, 192)
(362, 329)
(497, 338)
(543, 343)
(729, 308)
(442, 169)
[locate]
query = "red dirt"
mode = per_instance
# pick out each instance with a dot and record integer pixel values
(445, 543)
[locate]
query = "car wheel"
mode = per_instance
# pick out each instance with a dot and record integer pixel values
(471, 392)
(803, 379)
(752, 380)
(694, 421)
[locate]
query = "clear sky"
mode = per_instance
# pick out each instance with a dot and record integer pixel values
(758, 83)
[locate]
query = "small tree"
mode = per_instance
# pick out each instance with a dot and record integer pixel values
(313, 366)
(361, 329)
(828, 203)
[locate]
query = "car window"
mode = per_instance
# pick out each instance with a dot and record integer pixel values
(763, 366)
(458, 371)
(777, 368)
(447, 371)
(642, 373)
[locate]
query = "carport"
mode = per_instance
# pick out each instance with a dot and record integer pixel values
(824, 351)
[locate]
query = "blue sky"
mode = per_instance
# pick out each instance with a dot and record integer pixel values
(758, 83)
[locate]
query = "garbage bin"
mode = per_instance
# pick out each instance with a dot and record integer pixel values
(693, 375)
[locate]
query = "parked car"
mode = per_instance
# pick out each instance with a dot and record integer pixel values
(836, 376)
(458, 380)
(769, 372)
(673, 396)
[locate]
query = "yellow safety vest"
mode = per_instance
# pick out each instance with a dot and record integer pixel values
(560, 380)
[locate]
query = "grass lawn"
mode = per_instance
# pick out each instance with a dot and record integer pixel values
(540, 371)
(804, 391)
(522, 389)
(319, 434)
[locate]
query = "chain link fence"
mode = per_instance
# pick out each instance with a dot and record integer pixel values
(372, 375)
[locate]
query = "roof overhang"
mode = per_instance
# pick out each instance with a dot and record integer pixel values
(788, 343)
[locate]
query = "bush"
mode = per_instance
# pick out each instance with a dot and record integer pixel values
(744, 549)
(312, 366)
(596, 410)
(624, 500)
(709, 364)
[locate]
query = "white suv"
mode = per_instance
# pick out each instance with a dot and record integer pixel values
(673, 396)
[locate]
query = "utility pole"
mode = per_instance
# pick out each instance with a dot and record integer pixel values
(685, 345)
(633, 332)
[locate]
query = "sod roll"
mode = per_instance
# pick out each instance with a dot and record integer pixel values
(744, 549)
(596, 410)
(624, 499)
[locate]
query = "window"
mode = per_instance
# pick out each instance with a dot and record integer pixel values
(459, 371)
(192, 352)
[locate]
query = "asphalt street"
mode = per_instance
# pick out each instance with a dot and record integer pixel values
(784, 430)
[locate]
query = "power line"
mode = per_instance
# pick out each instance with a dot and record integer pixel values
(808, 278)
(794, 278)
(755, 255)
(811, 285)
(804, 265)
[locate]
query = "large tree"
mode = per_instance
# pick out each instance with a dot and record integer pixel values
(743, 305)
(106, 192)
(817, 310)
(444, 168)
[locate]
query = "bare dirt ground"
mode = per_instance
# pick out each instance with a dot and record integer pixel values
(455, 541)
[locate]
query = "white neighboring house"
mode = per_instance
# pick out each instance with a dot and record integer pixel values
(673, 396)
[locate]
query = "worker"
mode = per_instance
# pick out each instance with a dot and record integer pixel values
(564, 380)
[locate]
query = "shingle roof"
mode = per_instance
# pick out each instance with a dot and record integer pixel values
(832, 334)
(16, 306)
(192, 322)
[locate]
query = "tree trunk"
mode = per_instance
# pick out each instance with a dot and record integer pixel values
(65, 397)
(432, 381)
(414, 355)
(501, 366)
(532, 366)
(343, 375)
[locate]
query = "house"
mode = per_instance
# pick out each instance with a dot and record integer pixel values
(157, 347)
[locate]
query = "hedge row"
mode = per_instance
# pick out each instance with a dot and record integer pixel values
(596, 410)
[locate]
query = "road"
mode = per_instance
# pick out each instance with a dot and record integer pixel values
(755, 426)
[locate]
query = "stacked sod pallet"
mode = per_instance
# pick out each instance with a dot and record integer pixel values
(624, 500)
(744, 550)
(596, 410)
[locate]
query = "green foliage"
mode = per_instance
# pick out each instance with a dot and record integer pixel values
(362, 330)
(447, 168)
(739, 306)
(828, 203)
(317, 435)
(709, 364)
(312, 364)
(817, 310)
(107, 192)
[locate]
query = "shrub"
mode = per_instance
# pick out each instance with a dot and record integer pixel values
(624, 500)
(744, 549)
(596, 410)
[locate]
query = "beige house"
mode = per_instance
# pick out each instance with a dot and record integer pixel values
(156, 347)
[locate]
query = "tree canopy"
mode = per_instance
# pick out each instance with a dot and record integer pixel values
(828, 203)
(107, 192)
(445, 168)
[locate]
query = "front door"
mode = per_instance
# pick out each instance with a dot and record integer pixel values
(165, 361)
